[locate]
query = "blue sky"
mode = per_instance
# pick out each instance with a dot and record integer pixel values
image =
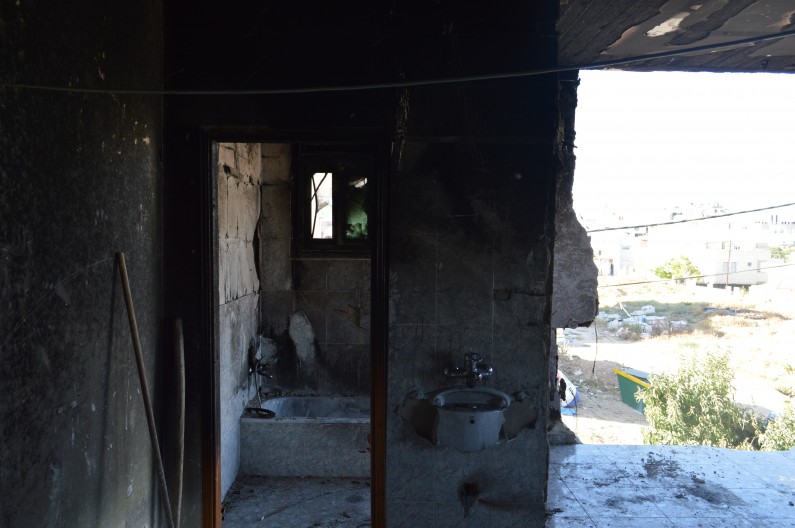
(666, 138)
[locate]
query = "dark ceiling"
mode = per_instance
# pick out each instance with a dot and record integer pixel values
(601, 30)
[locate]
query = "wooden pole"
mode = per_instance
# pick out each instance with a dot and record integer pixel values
(179, 350)
(139, 359)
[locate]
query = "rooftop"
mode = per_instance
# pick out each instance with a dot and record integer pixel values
(600, 486)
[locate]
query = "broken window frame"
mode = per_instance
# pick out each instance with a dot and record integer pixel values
(333, 160)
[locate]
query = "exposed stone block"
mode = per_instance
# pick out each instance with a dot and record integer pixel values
(226, 157)
(248, 210)
(276, 163)
(276, 211)
(237, 275)
(223, 201)
(233, 205)
(249, 162)
(278, 275)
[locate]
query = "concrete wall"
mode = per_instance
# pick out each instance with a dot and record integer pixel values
(471, 239)
(81, 179)
(574, 298)
(332, 353)
(239, 177)
(472, 177)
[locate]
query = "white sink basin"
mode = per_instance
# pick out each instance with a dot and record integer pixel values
(469, 419)
(477, 399)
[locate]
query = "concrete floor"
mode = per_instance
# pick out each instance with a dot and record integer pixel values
(293, 502)
(600, 486)
(590, 486)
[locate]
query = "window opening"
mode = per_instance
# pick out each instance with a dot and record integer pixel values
(333, 194)
(322, 205)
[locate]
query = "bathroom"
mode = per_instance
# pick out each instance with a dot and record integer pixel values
(465, 278)
(294, 310)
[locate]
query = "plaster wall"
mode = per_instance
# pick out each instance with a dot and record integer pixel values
(81, 179)
(239, 178)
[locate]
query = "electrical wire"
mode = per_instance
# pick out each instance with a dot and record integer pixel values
(687, 220)
(412, 84)
(722, 274)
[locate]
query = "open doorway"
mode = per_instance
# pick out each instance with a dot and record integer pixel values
(294, 260)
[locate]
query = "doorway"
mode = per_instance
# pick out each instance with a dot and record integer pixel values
(296, 260)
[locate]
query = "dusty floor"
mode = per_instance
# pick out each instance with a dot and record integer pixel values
(590, 486)
(291, 502)
(600, 486)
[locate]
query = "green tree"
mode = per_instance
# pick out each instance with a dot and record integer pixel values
(780, 432)
(695, 406)
(677, 268)
(780, 253)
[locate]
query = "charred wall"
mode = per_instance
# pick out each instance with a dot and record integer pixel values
(81, 179)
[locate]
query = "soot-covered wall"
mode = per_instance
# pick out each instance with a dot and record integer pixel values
(239, 178)
(315, 311)
(81, 179)
(471, 239)
(471, 191)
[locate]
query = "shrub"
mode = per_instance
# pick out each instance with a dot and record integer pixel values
(677, 268)
(780, 432)
(695, 406)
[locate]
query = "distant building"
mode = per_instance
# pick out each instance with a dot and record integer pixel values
(730, 251)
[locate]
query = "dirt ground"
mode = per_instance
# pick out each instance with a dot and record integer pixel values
(756, 328)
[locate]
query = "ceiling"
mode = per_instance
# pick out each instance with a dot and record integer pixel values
(601, 30)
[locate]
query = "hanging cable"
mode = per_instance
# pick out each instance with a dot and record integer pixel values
(413, 84)
(693, 277)
(684, 221)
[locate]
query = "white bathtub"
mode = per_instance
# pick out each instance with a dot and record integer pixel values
(310, 436)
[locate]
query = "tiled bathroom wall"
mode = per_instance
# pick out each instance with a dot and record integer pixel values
(332, 293)
(469, 272)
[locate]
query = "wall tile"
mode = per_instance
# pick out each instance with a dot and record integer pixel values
(464, 279)
(453, 468)
(311, 274)
(412, 298)
(409, 514)
(409, 473)
(453, 341)
(452, 515)
(276, 309)
(348, 368)
(314, 304)
(349, 275)
(343, 317)
(411, 360)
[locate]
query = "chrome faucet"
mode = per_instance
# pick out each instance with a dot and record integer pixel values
(474, 371)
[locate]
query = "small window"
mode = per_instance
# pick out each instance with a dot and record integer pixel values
(333, 195)
(725, 267)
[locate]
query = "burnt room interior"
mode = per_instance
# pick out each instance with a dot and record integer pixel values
(369, 202)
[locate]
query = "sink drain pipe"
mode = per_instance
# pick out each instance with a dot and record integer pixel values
(139, 359)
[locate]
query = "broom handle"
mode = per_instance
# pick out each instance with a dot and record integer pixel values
(139, 359)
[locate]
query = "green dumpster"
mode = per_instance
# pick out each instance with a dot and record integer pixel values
(629, 381)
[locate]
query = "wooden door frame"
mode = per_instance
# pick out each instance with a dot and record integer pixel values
(379, 293)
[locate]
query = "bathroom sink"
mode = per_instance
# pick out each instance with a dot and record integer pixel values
(477, 399)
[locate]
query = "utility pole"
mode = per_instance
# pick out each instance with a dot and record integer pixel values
(729, 265)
